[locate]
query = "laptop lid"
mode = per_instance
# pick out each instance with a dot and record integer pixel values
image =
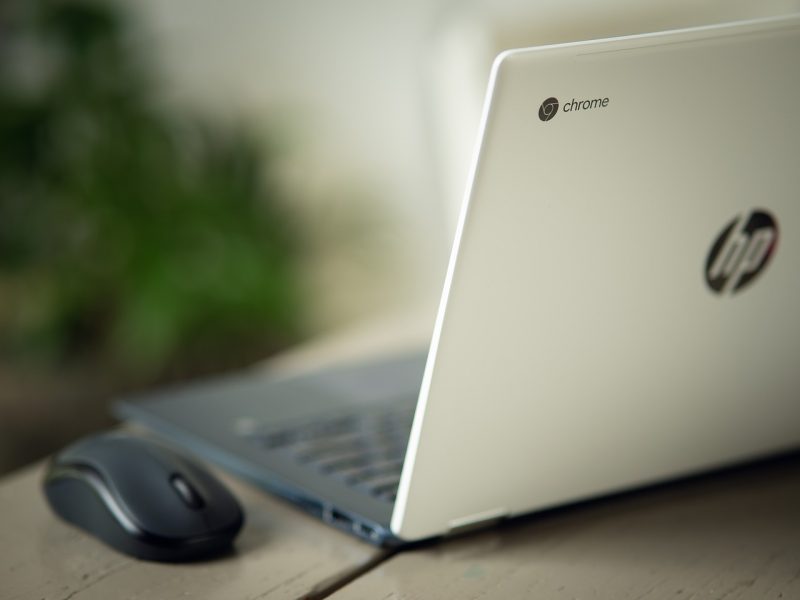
(621, 302)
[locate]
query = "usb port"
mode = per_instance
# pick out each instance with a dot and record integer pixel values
(336, 517)
(365, 531)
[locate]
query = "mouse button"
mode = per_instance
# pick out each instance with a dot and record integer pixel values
(137, 477)
(151, 500)
(186, 492)
(221, 509)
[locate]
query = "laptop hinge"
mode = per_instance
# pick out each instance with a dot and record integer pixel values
(479, 520)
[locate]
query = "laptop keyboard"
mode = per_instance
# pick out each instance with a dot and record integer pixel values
(363, 450)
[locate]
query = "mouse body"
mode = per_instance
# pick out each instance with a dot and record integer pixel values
(142, 498)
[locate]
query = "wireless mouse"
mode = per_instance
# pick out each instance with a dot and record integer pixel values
(142, 498)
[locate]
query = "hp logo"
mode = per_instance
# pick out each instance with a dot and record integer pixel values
(548, 109)
(741, 251)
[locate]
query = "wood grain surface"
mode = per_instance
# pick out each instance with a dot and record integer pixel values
(281, 553)
(730, 536)
(734, 535)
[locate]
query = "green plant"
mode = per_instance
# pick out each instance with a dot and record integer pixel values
(127, 232)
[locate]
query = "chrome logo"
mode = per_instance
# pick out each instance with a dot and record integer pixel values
(548, 109)
(741, 251)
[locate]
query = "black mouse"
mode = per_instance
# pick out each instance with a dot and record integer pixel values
(142, 498)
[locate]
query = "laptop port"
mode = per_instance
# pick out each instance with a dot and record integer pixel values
(365, 531)
(336, 518)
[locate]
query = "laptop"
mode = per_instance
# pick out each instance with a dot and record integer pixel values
(620, 306)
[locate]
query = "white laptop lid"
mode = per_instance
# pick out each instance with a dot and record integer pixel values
(580, 346)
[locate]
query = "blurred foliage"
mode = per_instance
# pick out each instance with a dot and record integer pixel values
(128, 233)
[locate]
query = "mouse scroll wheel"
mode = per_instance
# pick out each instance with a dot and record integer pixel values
(187, 493)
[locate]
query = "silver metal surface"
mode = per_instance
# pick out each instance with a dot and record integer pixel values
(579, 349)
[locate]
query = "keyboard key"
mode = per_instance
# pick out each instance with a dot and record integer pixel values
(363, 450)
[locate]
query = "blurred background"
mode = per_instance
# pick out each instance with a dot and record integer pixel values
(188, 187)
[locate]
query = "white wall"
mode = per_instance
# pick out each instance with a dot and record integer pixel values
(352, 85)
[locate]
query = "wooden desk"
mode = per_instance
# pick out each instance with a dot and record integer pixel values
(734, 536)
(727, 536)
